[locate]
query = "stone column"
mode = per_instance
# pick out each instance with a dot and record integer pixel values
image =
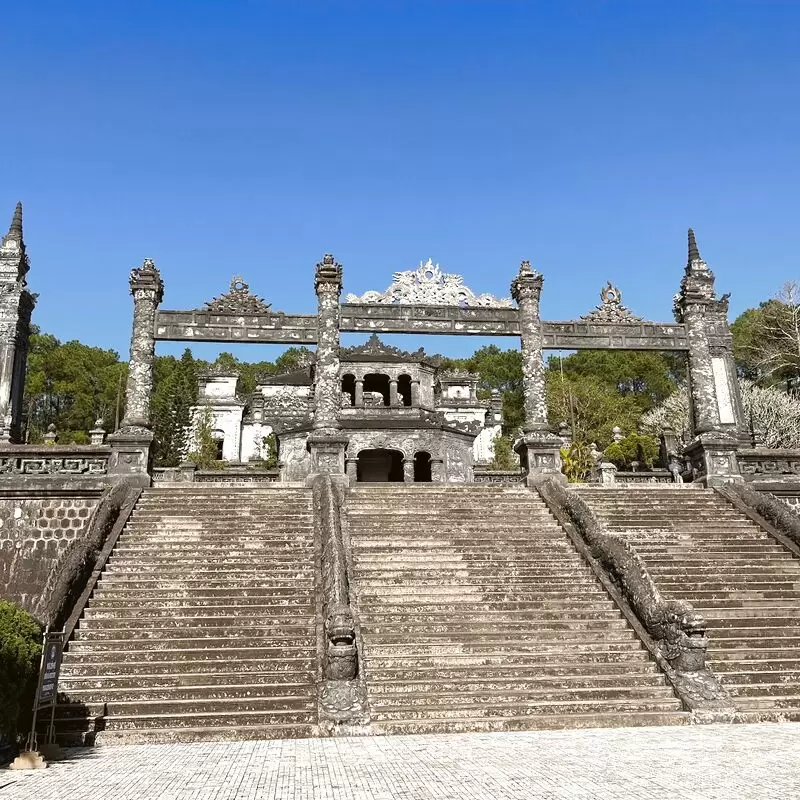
(130, 445)
(359, 399)
(393, 396)
(437, 470)
(415, 394)
(716, 410)
(147, 289)
(408, 470)
(16, 307)
(326, 443)
(541, 447)
(351, 468)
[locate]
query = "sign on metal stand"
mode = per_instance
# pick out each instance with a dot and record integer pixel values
(46, 695)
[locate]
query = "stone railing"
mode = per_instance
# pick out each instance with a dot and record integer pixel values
(677, 631)
(644, 476)
(776, 513)
(53, 460)
(342, 695)
(483, 475)
(189, 473)
(770, 466)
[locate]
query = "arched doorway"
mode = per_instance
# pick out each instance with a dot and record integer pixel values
(422, 467)
(380, 466)
(219, 442)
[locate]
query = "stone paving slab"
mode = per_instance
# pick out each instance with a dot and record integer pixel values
(714, 762)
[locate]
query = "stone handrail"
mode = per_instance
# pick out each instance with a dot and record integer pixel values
(767, 506)
(340, 661)
(677, 630)
(75, 574)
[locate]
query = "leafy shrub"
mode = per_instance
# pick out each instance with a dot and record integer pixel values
(576, 462)
(20, 652)
(633, 447)
(504, 456)
(204, 453)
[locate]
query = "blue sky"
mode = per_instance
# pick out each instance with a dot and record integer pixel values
(251, 137)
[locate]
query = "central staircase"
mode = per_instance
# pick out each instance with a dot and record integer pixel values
(699, 548)
(203, 625)
(477, 613)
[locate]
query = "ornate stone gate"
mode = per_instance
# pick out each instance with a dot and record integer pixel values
(427, 300)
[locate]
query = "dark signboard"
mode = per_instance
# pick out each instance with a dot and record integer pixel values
(51, 664)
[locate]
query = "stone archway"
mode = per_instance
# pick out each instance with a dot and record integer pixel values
(380, 465)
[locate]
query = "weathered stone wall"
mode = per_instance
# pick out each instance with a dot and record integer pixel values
(33, 534)
(294, 456)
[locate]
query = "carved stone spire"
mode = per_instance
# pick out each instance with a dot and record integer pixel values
(15, 229)
(694, 252)
(16, 305)
(13, 258)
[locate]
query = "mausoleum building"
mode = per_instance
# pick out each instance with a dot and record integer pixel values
(405, 418)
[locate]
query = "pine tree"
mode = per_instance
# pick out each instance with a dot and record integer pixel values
(175, 394)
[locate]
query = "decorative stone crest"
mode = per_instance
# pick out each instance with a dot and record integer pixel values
(375, 347)
(238, 300)
(611, 309)
(429, 286)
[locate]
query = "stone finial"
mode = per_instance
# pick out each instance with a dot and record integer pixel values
(15, 229)
(51, 437)
(616, 433)
(98, 434)
(328, 273)
(694, 252)
(528, 283)
(147, 278)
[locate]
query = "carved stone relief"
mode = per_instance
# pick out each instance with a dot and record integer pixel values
(428, 285)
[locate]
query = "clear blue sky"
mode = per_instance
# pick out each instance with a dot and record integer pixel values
(251, 137)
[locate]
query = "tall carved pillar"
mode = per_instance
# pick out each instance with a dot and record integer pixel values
(359, 399)
(131, 443)
(326, 443)
(415, 393)
(539, 448)
(394, 398)
(716, 407)
(408, 470)
(16, 307)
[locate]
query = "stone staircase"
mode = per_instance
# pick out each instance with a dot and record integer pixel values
(699, 548)
(203, 625)
(477, 613)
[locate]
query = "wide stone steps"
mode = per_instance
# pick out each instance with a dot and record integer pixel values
(699, 548)
(132, 686)
(92, 667)
(488, 620)
(203, 624)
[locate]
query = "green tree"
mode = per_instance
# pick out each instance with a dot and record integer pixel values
(766, 340)
(204, 445)
(504, 456)
(174, 395)
(594, 390)
(70, 385)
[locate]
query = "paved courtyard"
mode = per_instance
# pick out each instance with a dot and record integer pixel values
(694, 763)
